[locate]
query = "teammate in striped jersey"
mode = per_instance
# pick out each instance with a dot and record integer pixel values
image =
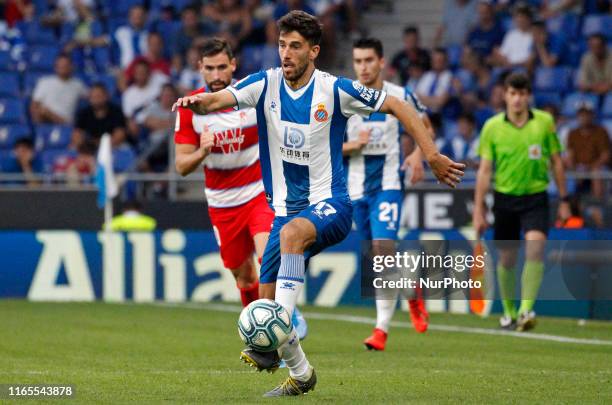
(226, 142)
(375, 179)
(301, 117)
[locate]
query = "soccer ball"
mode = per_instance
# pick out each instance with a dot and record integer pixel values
(264, 325)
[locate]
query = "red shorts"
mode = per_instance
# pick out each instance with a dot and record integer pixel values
(235, 227)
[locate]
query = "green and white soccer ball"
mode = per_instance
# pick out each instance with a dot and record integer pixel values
(264, 325)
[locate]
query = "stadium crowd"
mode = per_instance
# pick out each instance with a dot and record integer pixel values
(72, 70)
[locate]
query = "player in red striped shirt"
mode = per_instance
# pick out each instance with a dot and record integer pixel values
(226, 142)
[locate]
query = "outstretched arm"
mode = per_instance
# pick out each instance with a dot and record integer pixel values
(204, 103)
(444, 169)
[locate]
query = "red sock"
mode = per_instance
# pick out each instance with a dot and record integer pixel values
(249, 294)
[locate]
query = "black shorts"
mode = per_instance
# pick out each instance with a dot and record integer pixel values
(514, 214)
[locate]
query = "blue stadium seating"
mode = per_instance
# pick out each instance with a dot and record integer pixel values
(572, 100)
(543, 99)
(596, 24)
(553, 79)
(123, 158)
(117, 8)
(35, 34)
(9, 85)
(50, 157)
(52, 137)
(250, 59)
(29, 81)
(564, 24)
(6, 62)
(12, 111)
(606, 109)
(9, 134)
(42, 57)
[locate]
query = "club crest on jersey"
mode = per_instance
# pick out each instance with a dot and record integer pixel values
(321, 115)
(535, 152)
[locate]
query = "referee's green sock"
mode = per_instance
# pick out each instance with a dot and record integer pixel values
(507, 280)
(533, 272)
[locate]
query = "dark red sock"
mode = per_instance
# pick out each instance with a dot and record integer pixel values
(249, 294)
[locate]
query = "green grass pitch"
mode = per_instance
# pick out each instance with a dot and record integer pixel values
(113, 353)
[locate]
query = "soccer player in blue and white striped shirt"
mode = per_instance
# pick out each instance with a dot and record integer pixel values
(301, 116)
(374, 149)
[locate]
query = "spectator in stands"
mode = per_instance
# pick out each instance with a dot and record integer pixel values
(85, 33)
(190, 77)
(18, 10)
(154, 56)
(463, 145)
(184, 38)
(434, 87)
(552, 8)
(588, 148)
(25, 161)
(457, 21)
(412, 54)
(159, 120)
(65, 11)
(547, 49)
(131, 40)
(228, 19)
(488, 32)
(78, 168)
(56, 97)
(595, 73)
(576, 220)
(144, 90)
(99, 117)
(516, 46)
(415, 73)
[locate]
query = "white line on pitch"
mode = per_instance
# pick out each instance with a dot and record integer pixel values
(371, 321)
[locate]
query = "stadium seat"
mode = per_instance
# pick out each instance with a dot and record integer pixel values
(6, 62)
(12, 111)
(9, 134)
(596, 24)
(564, 24)
(49, 158)
(42, 57)
(102, 58)
(9, 85)
(250, 59)
(52, 137)
(571, 102)
(35, 34)
(543, 99)
(167, 29)
(573, 53)
(606, 108)
(29, 82)
(123, 158)
(553, 79)
(119, 8)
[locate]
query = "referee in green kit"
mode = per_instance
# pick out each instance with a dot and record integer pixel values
(518, 145)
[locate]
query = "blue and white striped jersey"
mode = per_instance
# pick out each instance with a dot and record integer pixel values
(377, 167)
(301, 133)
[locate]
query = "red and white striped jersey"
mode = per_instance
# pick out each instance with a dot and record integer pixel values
(232, 171)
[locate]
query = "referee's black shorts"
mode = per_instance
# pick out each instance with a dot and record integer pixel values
(516, 213)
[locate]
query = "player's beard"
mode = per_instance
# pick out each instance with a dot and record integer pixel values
(298, 72)
(217, 85)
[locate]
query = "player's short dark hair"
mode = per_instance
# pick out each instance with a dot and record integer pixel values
(518, 80)
(369, 43)
(411, 29)
(304, 24)
(215, 46)
(441, 50)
